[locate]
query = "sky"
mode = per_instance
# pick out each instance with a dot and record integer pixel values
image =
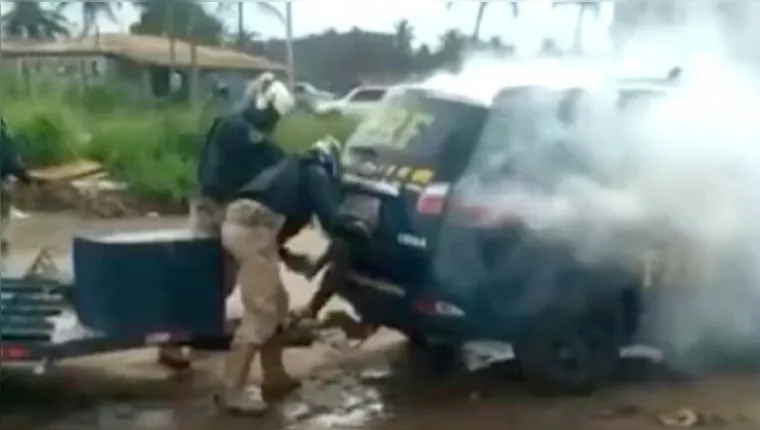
(429, 19)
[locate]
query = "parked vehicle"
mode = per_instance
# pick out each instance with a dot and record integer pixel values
(437, 272)
(308, 96)
(358, 102)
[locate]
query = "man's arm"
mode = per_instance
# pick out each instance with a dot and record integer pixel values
(296, 262)
(323, 195)
(324, 198)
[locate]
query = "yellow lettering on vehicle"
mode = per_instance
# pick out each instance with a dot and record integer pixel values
(393, 126)
(414, 125)
(403, 173)
(422, 176)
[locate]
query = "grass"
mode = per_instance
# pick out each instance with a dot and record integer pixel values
(152, 148)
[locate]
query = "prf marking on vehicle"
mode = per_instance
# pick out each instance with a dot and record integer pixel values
(422, 176)
(412, 241)
(403, 173)
(394, 126)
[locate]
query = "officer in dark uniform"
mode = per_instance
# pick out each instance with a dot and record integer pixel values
(10, 167)
(266, 212)
(237, 148)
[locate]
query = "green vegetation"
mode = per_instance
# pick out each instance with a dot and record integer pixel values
(153, 148)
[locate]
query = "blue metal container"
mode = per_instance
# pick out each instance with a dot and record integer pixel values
(151, 282)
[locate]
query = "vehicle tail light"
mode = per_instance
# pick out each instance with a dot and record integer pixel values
(13, 352)
(493, 211)
(438, 308)
(482, 212)
(432, 199)
(472, 213)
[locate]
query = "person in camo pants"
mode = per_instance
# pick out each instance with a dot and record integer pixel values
(237, 148)
(263, 215)
(10, 167)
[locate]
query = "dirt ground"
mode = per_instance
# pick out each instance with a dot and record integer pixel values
(370, 387)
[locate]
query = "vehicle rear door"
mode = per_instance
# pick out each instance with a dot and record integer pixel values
(403, 158)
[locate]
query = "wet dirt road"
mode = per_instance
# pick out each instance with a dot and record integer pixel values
(376, 387)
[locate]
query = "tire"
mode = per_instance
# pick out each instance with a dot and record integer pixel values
(569, 355)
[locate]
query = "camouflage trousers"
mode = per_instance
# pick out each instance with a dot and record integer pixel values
(249, 233)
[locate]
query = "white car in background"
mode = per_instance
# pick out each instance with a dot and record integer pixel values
(357, 103)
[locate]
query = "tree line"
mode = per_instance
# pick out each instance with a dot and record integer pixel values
(329, 56)
(189, 20)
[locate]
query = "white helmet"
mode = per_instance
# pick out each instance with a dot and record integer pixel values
(267, 91)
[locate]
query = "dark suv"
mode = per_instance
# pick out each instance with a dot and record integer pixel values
(439, 270)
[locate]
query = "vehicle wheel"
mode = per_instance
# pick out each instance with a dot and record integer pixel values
(568, 355)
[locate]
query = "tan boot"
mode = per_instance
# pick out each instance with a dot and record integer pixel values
(237, 367)
(277, 384)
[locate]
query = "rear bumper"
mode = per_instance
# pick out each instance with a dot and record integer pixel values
(391, 305)
(380, 302)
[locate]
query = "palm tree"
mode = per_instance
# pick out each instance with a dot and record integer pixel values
(482, 6)
(404, 35)
(285, 18)
(583, 7)
(452, 45)
(265, 7)
(30, 20)
(92, 10)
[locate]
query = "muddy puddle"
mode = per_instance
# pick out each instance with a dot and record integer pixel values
(398, 395)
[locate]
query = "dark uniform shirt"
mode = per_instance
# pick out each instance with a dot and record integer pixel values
(233, 154)
(10, 162)
(298, 188)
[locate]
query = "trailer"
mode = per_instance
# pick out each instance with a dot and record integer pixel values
(127, 291)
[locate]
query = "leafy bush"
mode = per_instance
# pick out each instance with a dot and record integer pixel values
(153, 148)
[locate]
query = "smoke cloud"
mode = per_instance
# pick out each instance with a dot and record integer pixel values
(673, 174)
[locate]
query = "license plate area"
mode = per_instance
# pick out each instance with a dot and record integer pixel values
(361, 207)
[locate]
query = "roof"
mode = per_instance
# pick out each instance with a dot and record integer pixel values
(439, 93)
(144, 49)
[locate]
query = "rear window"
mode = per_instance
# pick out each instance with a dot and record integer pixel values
(428, 130)
(529, 134)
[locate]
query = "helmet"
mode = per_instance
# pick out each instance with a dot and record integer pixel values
(266, 91)
(326, 152)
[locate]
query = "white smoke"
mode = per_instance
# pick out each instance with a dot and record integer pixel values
(680, 174)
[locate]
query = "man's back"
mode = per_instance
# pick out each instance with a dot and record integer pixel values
(233, 154)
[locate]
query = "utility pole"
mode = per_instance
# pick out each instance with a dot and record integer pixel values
(289, 45)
